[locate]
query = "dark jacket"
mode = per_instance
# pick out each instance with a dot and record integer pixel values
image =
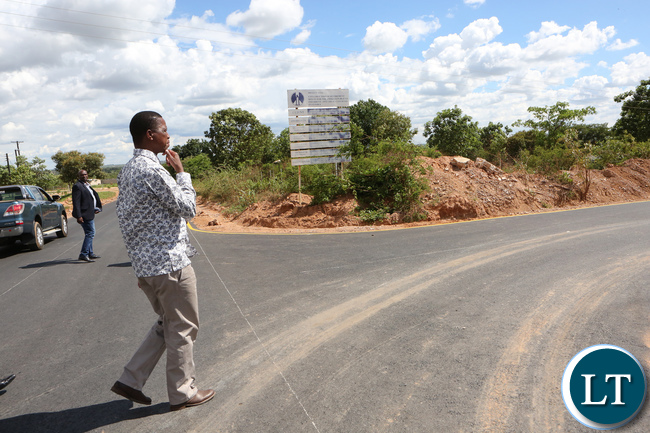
(82, 202)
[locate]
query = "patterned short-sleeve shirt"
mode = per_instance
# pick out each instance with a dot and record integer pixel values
(152, 210)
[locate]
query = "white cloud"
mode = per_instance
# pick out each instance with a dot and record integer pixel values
(61, 91)
(454, 47)
(576, 42)
(9, 131)
(387, 37)
(629, 72)
(619, 45)
(480, 32)
(384, 37)
(418, 29)
(547, 29)
(474, 3)
(301, 37)
(268, 18)
(304, 34)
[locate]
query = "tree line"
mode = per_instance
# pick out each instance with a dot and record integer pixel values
(66, 171)
(543, 143)
(237, 150)
(232, 162)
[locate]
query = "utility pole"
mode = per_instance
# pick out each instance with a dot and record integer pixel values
(18, 146)
(8, 166)
(17, 151)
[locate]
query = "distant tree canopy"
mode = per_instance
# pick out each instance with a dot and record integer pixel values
(453, 133)
(197, 166)
(281, 146)
(372, 123)
(193, 147)
(27, 172)
(494, 139)
(237, 137)
(635, 112)
(68, 165)
(551, 123)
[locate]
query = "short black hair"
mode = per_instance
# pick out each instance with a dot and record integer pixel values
(141, 123)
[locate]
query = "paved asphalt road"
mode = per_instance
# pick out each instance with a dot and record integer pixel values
(461, 327)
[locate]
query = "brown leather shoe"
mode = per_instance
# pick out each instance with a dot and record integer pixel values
(202, 396)
(130, 393)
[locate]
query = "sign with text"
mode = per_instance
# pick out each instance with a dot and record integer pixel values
(318, 98)
(319, 123)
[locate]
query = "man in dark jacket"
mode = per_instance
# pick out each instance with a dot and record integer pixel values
(85, 204)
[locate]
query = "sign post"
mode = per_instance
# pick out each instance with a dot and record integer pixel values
(319, 123)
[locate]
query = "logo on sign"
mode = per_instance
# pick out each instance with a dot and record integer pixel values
(604, 387)
(297, 99)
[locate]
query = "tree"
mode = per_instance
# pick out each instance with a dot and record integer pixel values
(29, 173)
(236, 137)
(372, 123)
(68, 165)
(281, 147)
(198, 166)
(193, 147)
(595, 134)
(453, 133)
(363, 119)
(635, 112)
(554, 121)
(522, 141)
(393, 126)
(494, 138)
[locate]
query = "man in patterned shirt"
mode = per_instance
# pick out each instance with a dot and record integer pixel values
(152, 210)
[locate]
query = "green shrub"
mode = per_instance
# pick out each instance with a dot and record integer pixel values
(325, 188)
(430, 152)
(385, 182)
(548, 161)
(565, 178)
(198, 166)
(617, 150)
(239, 188)
(370, 216)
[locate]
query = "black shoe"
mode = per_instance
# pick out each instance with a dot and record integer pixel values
(85, 259)
(6, 381)
(93, 256)
(130, 393)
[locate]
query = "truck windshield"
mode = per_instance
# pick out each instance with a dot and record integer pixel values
(11, 194)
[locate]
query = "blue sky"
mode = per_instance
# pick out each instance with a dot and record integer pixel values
(75, 72)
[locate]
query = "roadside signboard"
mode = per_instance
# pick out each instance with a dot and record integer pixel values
(319, 123)
(318, 98)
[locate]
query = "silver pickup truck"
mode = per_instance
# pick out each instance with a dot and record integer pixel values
(28, 214)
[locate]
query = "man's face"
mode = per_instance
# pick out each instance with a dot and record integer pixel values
(160, 137)
(83, 176)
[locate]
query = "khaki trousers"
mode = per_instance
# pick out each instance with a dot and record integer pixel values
(173, 297)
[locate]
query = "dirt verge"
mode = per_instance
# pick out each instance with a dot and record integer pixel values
(458, 190)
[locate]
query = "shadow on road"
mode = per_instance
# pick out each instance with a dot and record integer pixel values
(54, 263)
(119, 265)
(8, 250)
(81, 419)
(71, 262)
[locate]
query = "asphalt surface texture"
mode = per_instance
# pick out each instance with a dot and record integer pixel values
(463, 327)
